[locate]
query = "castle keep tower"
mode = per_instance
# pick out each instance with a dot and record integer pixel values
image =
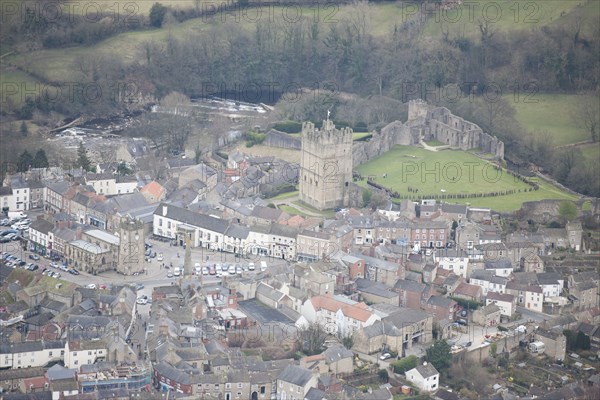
(325, 165)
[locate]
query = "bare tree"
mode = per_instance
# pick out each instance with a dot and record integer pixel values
(587, 115)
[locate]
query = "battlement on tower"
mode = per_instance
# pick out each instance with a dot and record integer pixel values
(327, 135)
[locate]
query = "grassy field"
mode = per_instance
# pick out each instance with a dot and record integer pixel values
(292, 210)
(591, 152)
(452, 172)
(553, 113)
(503, 15)
(15, 84)
(129, 9)
(282, 196)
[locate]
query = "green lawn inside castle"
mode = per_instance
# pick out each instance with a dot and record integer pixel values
(453, 176)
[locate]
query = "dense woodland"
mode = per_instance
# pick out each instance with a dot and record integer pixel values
(346, 56)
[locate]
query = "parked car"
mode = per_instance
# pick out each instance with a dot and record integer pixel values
(169, 274)
(34, 257)
(212, 270)
(231, 269)
(34, 267)
(91, 286)
(238, 269)
(385, 356)
(159, 257)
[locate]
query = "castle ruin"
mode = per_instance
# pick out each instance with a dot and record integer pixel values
(326, 165)
(440, 124)
(425, 123)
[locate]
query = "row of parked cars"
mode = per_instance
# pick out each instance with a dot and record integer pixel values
(9, 235)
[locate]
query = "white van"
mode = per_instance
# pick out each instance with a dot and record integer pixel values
(251, 266)
(198, 269)
(177, 271)
(263, 265)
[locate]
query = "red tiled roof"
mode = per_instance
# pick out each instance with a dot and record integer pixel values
(154, 189)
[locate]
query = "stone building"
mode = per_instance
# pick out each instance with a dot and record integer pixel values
(131, 249)
(326, 165)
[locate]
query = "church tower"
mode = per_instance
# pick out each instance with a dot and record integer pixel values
(325, 165)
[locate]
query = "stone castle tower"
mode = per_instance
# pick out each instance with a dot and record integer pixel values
(325, 165)
(131, 246)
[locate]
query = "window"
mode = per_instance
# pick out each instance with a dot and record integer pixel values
(239, 386)
(89, 353)
(228, 386)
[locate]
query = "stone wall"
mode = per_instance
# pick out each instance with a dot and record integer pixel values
(279, 139)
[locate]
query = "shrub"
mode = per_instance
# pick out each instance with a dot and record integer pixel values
(288, 126)
(405, 364)
(253, 138)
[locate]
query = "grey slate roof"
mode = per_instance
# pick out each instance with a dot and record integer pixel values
(41, 225)
(336, 353)
(295, 375)
(192, 218)
(427, 371)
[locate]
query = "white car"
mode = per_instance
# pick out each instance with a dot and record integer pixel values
(251, 266)
(204, 270)
(159, 257)
(385, 356)
(91, 286)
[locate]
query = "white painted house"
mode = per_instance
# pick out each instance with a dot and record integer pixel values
(84, 352)
(488, 281)
(425, 377)
(30, 354)
(454, 260)
(336, 314)
(506, 302)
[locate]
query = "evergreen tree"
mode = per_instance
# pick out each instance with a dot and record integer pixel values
(40, 160)
(25, 161)
(439, 355)
(24, 130)
(82, 159)
(157, 15)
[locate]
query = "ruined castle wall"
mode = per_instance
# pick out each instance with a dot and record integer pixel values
(458, 133)
(391, 135)
(279, 139)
